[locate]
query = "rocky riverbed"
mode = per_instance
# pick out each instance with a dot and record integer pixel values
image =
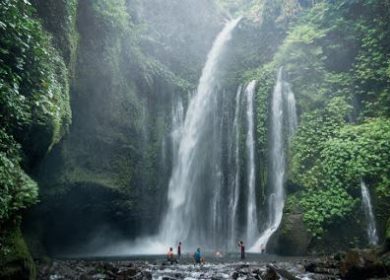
(356, 264)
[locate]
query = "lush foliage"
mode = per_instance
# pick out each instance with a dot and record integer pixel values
(337, 58)
(326, 206)
(359, 152)
(33, 80)
(266, 79)
(18, 191)
(315, 129)
(34, 114)
(59, 18)
(323, 203)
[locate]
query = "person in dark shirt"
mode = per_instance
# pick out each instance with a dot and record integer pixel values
(179, 251)
(242, 249)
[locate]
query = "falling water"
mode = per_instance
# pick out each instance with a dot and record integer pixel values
(291, 110)
(177, 128)
(163, 152)
(277, 168)
(367, 206)
(250, 144)
(236, 184)
(195, 174)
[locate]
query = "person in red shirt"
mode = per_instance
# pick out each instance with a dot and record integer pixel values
(170, 256)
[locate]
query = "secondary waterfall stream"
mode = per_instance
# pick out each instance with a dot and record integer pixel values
(194, 194)
(369, 213)
(281, 93)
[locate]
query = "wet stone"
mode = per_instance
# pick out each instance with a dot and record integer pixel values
(254, 270)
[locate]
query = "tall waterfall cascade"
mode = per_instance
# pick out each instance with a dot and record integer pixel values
(251, 225)
(282, 93)
(196, 208)
(369, 213)
(235, 186)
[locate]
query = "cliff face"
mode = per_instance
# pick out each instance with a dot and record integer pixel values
(34, 115)
(133, 61)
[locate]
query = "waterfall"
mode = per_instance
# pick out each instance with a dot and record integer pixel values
(251, 225)
(177, 128)
(195, 185)
(163, 152)
(277, 161)
(291, 110)
(367, 206)
(236, 183)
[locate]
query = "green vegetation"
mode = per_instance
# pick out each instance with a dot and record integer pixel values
(337, 58)
(34, 99)
(15, 260)
(18, 190)
(34, 115)
(59, 18)
(238, 8)
(34, 83)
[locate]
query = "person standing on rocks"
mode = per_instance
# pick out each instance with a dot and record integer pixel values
(179, 251)
(242, 249)
(170, 256)
(198, 257)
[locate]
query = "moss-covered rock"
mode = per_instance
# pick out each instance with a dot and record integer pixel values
(59, 18)
(292, 237)
(15, 258)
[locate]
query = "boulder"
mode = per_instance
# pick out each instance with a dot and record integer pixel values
(362, 264)
(327, 268)
(270, 274)
(282, 273)
(293, 239)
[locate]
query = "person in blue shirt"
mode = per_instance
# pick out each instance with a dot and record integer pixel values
(198, 257)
